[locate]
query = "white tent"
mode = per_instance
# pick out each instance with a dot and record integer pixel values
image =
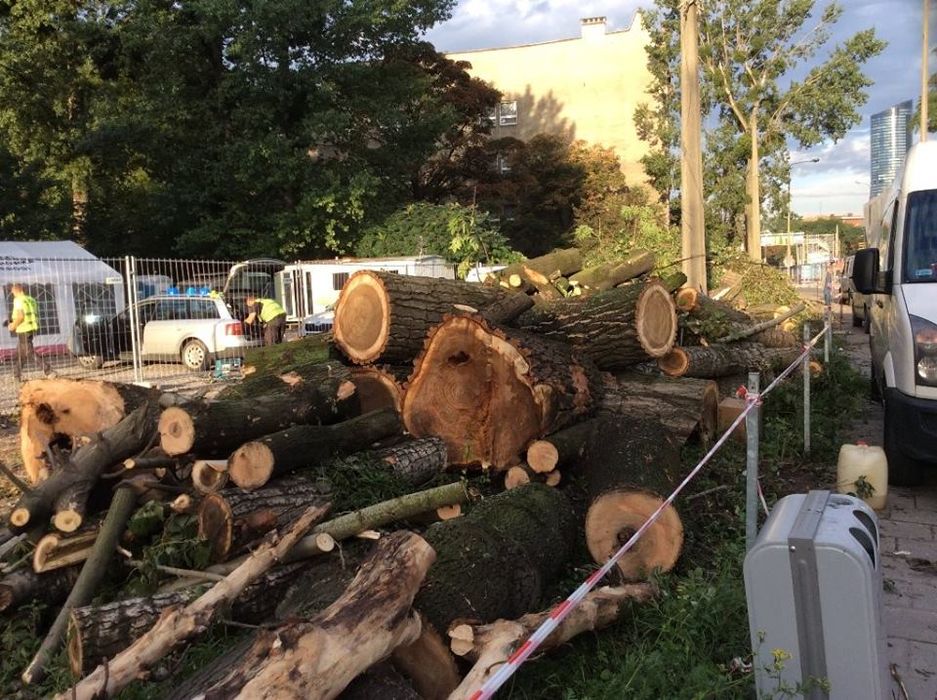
(66, 280)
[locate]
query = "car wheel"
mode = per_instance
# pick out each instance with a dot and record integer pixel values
(902, 470)
(195, 355)
(91, 361)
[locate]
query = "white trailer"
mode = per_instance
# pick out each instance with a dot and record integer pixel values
(312, 286)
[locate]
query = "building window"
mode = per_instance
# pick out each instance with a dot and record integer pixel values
(508, 113)
(502, 165)
(338, 280)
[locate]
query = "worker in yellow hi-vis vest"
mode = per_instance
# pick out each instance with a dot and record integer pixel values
(271, 314)
(25, 322)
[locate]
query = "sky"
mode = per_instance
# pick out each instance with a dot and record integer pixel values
(839, 183)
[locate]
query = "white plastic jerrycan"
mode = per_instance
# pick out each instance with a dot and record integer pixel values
(862, 470)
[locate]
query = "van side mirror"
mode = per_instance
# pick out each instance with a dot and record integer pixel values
(865, 271)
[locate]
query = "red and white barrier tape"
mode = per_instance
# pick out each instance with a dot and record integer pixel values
(559, 613)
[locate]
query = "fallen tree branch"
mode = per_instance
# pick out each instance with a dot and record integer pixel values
(14, 479)
(179, 624)
(759, 327)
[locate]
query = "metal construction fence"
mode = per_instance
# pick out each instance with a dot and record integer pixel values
(157, 320)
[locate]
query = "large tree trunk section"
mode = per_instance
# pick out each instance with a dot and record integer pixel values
(490, 646)
(506, 309)
(631, 467)
(70, 408)
(725, 360)
(489, 392)
(379, 387)
(685, 406)
(603, 277)
(385, 316)
(179, 624)
(564, 262)
(319, 658)
(124, 439)
(213, 429)
(25, 585)
(254, 463)
(233, 519)
(615, 329)
(560, 448)
(776, 338)
(498, 560)
(100, 632)
(92, 573)
(428, 663)
(416, 461)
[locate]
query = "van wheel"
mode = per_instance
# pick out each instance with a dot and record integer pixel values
(902, 470)
(856, 321)
(195, 355)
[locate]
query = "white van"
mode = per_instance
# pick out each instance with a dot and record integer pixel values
(901, 274)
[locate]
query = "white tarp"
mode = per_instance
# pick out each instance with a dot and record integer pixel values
(65, 279)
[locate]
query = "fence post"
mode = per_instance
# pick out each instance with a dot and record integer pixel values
(752, 427)
(828, 335)
(806, 372)
(135, 340)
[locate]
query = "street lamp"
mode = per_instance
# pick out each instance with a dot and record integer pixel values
(788, 259)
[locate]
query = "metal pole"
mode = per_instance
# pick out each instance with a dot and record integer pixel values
(828, 336)
(752, 423)
(806, 371)
(135, 339)
(925, 48)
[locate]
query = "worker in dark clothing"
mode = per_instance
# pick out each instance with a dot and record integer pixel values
(271, 315)
(25, 323)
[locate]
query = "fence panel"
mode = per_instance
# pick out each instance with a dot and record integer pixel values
(156, 320)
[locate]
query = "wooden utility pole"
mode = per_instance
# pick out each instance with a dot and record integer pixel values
(692, 231)
(924, 76)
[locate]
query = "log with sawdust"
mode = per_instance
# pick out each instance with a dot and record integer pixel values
(379, 387)
(499, 559)
(100, 632)
(73, 408)
(212, 429)
(180, 624)
(320, 657)
(631, 467)
(66, 490)
(489, 646)
(616, 328)
(488, 391)
(607, 275)
(684, 405)
(384, 316)
(25, 585)
(724, 360)
(232, 519)
(254, 463)
(537, 271)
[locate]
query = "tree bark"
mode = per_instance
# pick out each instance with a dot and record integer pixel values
(319, 658)
(100, 632)
(124, 439)
(631, 466)
(180, 624)
(380, 681)
(57, 551)
(488, 392)
(92, 572)
(776, 338)
(507, 308)
(379, 387)
(687, 407)
(753, 190)
(73, 408)
(254, 463)
(725, 360)
(490, 646)
(615, 329)
(212, 429)
(416, 461)
(276, 360)
(233, 519)
(25, 585)
(385, 316)
(286, 369)
(608, 275)
(499, 559)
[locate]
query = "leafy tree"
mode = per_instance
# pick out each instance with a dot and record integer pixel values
(31, 207)
(461, 234)
(749, 49)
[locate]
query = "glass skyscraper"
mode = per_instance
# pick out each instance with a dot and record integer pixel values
(891, 139)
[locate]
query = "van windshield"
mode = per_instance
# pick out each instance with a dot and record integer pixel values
(921, 237)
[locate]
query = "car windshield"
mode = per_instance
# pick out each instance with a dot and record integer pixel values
(921, 237)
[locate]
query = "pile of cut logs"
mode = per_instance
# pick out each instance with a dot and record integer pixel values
(545, 370)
